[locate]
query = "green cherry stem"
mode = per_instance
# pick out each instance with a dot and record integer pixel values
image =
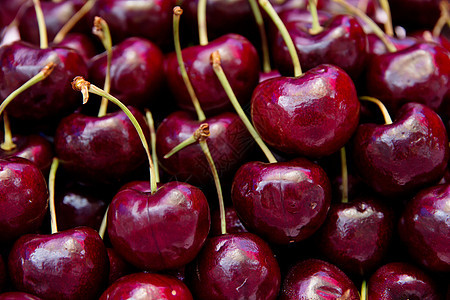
(265, 4)
(344, 175)
(194, 138)
(177, 12)
(102, 230)
(201, 19)
(8, 143)
(151, 127)
(41, 24)
(216, 64)
(443, 19)
(73, 21)
(384, 111)
(316, 27)
(51, 190)
(262, 33)
(364, 290)
(388, 28)
(101, 30)
(85, 87)
(376, 29)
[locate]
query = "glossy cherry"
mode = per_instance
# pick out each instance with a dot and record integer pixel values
(163, 230)
(315, 279)
(80, 43)
(239, 61)
(105, 149)
(282, 202)
(71, 264)
(425, 230)
(312, 115)
(400, 158)
(147, 286)
(401, 281)
(136, 71)
(235, 266)
(23, 198)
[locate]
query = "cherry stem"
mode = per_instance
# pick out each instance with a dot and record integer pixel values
(443, 19)
(375, 28)
(101, 30)
(151, 127)
(262, 33)
(201, 19)
(51, 190)
(216, 64)
(44, 73)
(73, 21)
(8, 143)
(285, 34)
(85, 87)
(177, 11)
(344, 174)
(203, 130)
(316, 27)
(364, 290)
(102, 229)
(384, 111)
(388, 28)
(41, 24)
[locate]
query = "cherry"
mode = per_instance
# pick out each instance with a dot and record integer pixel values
(233, 223)
(23, 198)
(401, 281)
(117, 266)
(316, 279)
(71, 264)
(376, 46)
(147, 286)
(425, 229)
(235, 266)
(80, 43)
(136, 71)
(18, 296)
(160, 230)
(400, 158)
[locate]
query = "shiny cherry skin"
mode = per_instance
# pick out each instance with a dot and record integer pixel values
(400, 158)
(71, 264)
(315, 279)
(105, 149)
(398, 280)
(420, 73)
(356, 235)
(80, 43)
(23, 198)
(18, 296)
(147, 286)
(425, 230)
(312, 115)
(282, 202)
(235, 266)
(239, 61)
(229, 142)
(341, 43)
(21, 61)
(158, 231)
(117, 266)
(375, 46)
(232, 221)
(136, 71)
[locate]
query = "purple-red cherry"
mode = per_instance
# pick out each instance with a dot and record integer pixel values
(117, 266)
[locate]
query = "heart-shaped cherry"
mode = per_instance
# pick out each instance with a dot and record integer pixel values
(71, 264)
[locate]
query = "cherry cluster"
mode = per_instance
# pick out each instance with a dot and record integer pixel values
(280, 110)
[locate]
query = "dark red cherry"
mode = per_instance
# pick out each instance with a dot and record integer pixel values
(20, 61)
(164, 230)
(282, 202)
(229, 142)
(234, 224)
(18, 296)
(341, 43)
(396, 281)
(105, 149)
(239, 61)
(71, 264)
(9, 10)
(312, 115)
(315, 279)
(375, 46)
(147, 286)
(356, 235)
(23, 198)
(136, 71)
(117, 266)
(425, 229)
(420, 73)
(235, 266)
(400, 158)
(80, 43)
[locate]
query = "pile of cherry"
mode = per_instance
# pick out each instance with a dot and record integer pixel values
(350, 205)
